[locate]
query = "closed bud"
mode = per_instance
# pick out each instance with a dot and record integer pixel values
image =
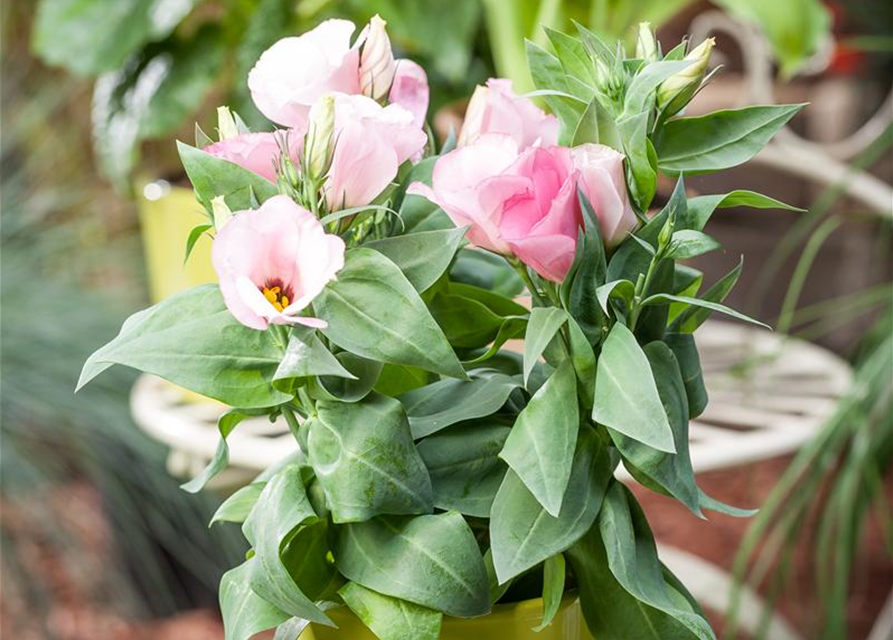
(646, 46)
(666, 234)
(377, 65)
(676, 91)
(226, 124)
(319, 145)
(221, 212)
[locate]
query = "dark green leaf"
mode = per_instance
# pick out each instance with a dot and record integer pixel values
(467, 323)
(197, 232)
(626, 397)
(547, 74)
(431, 560)
(686, 352)
(689, 243)
(587, 275)
(417, 212)
(712, 504)
(573, 56)
(396, 379)
(487, 271)
(543, 326)
(423, 256)
(553, 589)
(662, 298)
(372, 310)
(365, 460)
(391, 618)
(700, 208)
(623, 290)
(192, 340)
(633, 130)
(694, 316)
(364, 374)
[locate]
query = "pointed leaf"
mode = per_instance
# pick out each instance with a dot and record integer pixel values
(553, 589)
(244, 612)
(662, 298)
(391, 618)
(423, 256)
(544, 323)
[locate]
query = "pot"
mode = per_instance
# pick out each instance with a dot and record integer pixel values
(513, 621)
(167, 214)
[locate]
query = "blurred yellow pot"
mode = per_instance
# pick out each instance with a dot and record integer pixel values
(513, 621)
(167, 215)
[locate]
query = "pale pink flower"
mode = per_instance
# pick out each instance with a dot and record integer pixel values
(258, 152)
(371, 142)
(496, 108)
(602, 180)
(292, 74)
(273, 261)
(377, 64)
(410, 90)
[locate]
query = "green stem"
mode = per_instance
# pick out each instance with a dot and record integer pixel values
(531, 286)
(642, 292)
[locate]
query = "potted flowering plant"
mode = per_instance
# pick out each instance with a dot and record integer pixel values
(443, 484)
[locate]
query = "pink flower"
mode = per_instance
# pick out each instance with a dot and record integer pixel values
(371, 143)
(496, 109)
(410, 90)
(292, 74)
(273, 261)
(377, 64)
(602, 180)
(515, 204)
(257, 152)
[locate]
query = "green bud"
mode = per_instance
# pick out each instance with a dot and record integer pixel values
(646, 46)
(676, 91)
(609, 83)
(221, 212)
(226, 124)
(666, 234)
(319, 145)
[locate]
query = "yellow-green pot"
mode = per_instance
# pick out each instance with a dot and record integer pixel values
(167, 215)
(513, 621)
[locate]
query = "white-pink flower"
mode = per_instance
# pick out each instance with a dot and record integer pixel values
(496, 108)
(292, 74)
(258, 152)
(273, 261)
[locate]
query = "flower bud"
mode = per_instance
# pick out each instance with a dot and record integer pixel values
(221, 212)
(646, 46)
(676, 91)
(226, 124)
(319, 145)
(377, 65)
(666, 234)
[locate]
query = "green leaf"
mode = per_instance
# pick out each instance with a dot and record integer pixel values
(540, 447)
(307, 356)
(487, 271)
(496, 302)
(544, 324)
(423, 256)
(597, 125)
(244, 612)
(523, 534)
(572, 55)
(211, 177)
(237, 506)
(225, 425)
(467, 323)
(688, 243)
(372, 310)
(719, 140)
(610, 611)
(700, 208)
(432, 560)
(364, 376)
(553, 589)
(547, 73)
(639, 94)
(191, 339)
(624, 290)
(510, 329)
(662, 298)
(595, 45)
(291, 629)
(686, 352)
(669, 473)
(632, 558)
(694, 316)
(391, 618)
(633, 130)
(417, 212)
(280, 510)
(464, 465)
(626, 397)
(90, 37)
(306, 557)
(447, 402)
(584, 364)
(712, 504)
(396, 379)
(588, 273)
(197, 232)
(365, 460)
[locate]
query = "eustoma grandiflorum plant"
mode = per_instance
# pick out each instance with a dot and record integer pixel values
(438, 473)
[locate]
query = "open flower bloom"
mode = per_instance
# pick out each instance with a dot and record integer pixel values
(602, 180)
(497, 109)
(258, 152)
(292, 74)
(521, 204)
(371, 142)
(273, 261)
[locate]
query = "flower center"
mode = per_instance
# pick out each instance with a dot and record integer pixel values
(277, 294)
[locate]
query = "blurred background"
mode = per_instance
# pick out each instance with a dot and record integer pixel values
(98, 540)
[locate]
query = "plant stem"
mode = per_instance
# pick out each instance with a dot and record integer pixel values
(642, 292)
(531, 286)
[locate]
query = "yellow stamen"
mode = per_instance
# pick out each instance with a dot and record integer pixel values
(270, 295)
(277, 306)
(284, 301)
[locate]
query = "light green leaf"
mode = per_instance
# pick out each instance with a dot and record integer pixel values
(694, 316)
(662, 298)
(712, 504)
(306, 557)
(291, 629)
(572, 55)
(191, 339)
(396, 379)
(626, 397)
(372, 310)
(597, 125)
(553, 589)
(624, 290)
(364, 374)
(237, 506)
(547, 73)
(391, 618)
(523, 534)
(307, 356)
(423, 256)
(464, 465)
(719, 140)
(689, 243)
(700, 208)
(281, 508)
(365, 460)
(447, 402)
(225, 425)
(417, 212)
(431, 560)
(540, 447)
(639, 94)
(211, 177)
(544, 324)
(244, 612)
(641, 164)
